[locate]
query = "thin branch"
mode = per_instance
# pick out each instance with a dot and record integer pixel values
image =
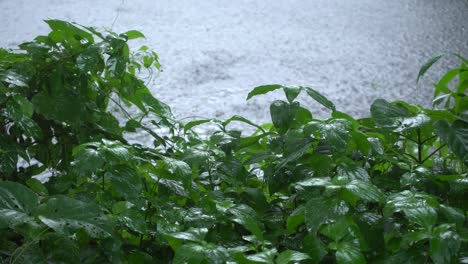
(408, 155)
(419, 147)
(121, 107)
(406, 137)
(411, 156)
(434, 152)
(429, 138)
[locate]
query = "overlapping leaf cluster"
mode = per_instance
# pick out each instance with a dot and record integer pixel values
(390, 188)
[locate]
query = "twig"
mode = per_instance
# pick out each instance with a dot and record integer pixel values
(434, 152)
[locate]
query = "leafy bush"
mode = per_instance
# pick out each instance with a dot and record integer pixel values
(390, 188)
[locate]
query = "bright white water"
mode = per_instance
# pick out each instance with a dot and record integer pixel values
(215, 51)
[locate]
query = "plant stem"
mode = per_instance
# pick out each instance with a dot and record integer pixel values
(427, 139)
(419, 147)
(434, 152)
(103, 183)
(406, 137)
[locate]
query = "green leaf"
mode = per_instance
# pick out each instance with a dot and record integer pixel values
(263, 90)
(464, 61)
(334, 132)
(116, 65)
(418, 207)
(179, 168)
(376, 145)
(66, 107)
(444, 81)
(134, 34)
(312, 182)
(133, 219)
(69, 30)
(195, 253)
(8, 156)
(427, 65)
(341, 115)
(349, 253)
(265, 256)
(157, 107)
(87, 160)
(413, 237)
(289, 256)
(294, 149)
(195, 123)
(66, 215)
(411, 255)
(30, 254)
(247, 217)
(175, 186)
(60, 248)
(132, 125)
(362, 142)
(24, 106)
(193, 235)
(364, 190)
(233, 168)
(197, 157)
(147, 61)
(243, 120)
(91, 59)
(387, 114)
(139, 257)
(322, 164)
(444, 244)
(320, 98)
(30, 128)
(336, 230)
(14, 79)
(282, 115)
(314, 248)
(416, 121)
(295, 219)
(37, 186)
(291, 93)
(107, 122)
(453, 215)
(322, 209)
(126, 182)
(303, 116)
(17, 203)
(115, 150)
(455, 135)
(351, 169)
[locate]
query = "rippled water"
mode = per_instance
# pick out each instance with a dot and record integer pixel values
(215, 51)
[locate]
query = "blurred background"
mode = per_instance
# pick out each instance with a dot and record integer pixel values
(214, 52)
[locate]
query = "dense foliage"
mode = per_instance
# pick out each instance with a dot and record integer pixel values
(391, 188)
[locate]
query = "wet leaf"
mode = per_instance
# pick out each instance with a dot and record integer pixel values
(17, 203)
(364, 190)
(427, 66)
(320, 98)
(291, 93)
(247, 217)
(321, 209)
(66, 215)
(419, 208)
(289, 256)
(444, 244)
(263, 90)
(349, 253)
(455, 135)
(282, 115)
(134, 34)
